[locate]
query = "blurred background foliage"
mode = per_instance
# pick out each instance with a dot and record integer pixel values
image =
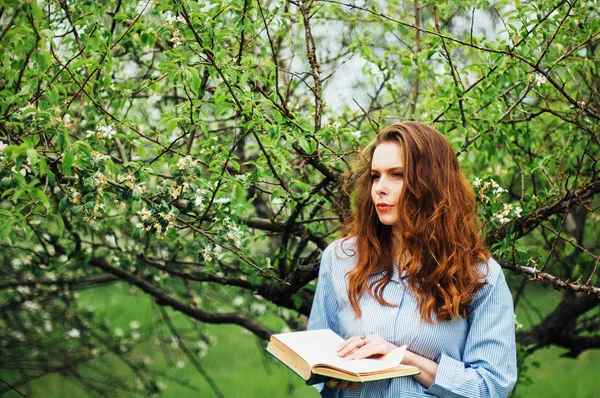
(171, 170)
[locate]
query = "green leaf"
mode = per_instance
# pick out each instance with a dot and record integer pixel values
(60, 223)
(43, 167)
(120, 16)
(135, 195)
(297, 300)
(277, 193)
(41, 196)
(6, 228)
(136, 234)
(147, 39)
(62, 205)
(32, 156)
(67, 163)
(171, 125)
(75, 210)
(195, 79)
(308, 146)
(18, 177)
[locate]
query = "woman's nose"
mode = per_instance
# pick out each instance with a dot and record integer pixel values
(380, 187)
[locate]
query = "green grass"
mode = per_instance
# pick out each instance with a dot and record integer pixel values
(237, 362)
(239, 366)
(556, 376)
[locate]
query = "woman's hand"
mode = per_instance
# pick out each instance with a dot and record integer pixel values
(346, 385)
(360, 347)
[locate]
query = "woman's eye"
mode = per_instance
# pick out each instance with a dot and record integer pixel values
(374, 176)
(399, 175)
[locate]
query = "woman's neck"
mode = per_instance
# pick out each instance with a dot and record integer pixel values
(397, 247)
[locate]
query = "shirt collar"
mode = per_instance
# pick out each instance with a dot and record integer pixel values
(396, 277)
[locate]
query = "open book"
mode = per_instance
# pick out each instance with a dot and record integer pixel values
(313, 356)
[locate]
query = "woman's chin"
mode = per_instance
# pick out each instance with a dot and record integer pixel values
(387, 221)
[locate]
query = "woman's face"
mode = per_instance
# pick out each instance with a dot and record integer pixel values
(387, 176)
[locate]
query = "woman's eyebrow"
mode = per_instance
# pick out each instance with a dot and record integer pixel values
(397, 168)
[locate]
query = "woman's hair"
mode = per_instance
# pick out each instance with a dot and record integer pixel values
(438, 224)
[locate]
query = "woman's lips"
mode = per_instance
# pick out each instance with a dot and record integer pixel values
(383, 207)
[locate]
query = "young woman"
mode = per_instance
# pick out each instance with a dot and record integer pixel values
(412, 269)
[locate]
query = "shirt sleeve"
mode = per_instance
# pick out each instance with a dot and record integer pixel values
(324, 312)
(489, 364)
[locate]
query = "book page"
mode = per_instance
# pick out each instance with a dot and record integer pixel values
(314, 346)
(318, 347)
(368, 365)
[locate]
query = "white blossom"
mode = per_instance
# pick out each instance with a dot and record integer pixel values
(518, 211)
(518, 325)
(31, 306)
(119, 332)
(145, 214)
(28, 106)
(207, 253)
(97, 156)
(135, 335)
(67, 121)
(199, 199)
(134, 324)
(502, 216)
(356, 134)
(176, 37)
(180, 364)
(238, 301)
(24, 290)
(2, 146)
(202, 345)
(477, 182)
(74, 333)
(186, 162)
(259, 308)
(202, 348)
(23, 171)
(107, 131)
(539, 79)
(171, 19)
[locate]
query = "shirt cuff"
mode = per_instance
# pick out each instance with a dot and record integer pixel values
(447, 369)
(319, 387)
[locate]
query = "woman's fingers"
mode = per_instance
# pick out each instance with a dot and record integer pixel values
(335, 383)
(370, 349)
(360, 347)
(351, 340)
(351, 344)
(352, 386)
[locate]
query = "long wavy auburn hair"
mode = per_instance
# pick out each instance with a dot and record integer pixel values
(440, 238)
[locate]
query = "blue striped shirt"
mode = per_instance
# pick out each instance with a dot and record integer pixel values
(476, 355)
